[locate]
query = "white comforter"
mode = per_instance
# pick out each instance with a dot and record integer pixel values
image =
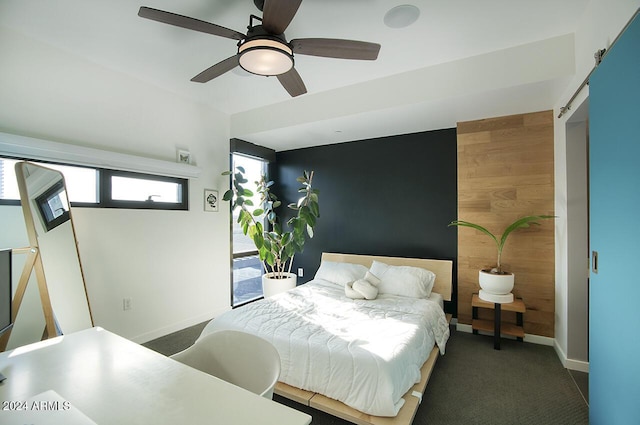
(367, 354)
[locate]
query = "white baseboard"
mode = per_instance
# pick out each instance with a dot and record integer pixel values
(578, 365)
(534, 339)
(537, 339)
(461, 327)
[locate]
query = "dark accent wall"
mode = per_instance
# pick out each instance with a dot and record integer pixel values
(250, 149)
(391, 196)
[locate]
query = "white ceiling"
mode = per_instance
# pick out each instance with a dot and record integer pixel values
(464, 52)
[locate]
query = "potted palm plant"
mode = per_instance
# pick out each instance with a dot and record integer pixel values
(276, 246)
(495, 283)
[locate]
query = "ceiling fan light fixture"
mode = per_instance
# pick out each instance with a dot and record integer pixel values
(265, 56)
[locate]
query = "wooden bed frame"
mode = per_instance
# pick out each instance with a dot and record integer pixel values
(443, 285)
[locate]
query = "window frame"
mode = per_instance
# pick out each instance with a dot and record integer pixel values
(103, 181)
(254, 153)
(107, 200)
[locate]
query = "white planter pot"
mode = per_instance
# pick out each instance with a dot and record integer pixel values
(496, 288)
(271, 286)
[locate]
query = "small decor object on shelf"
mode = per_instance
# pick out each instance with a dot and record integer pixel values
(210, 200)
(496, 283)
(276, 247)
(184, 156)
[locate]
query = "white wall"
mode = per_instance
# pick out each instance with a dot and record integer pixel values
(600, 24)
(173, 264)
(578, 238)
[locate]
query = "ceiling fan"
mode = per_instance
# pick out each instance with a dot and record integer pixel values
(264, 50)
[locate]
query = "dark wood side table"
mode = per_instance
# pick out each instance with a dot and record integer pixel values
(496, 326)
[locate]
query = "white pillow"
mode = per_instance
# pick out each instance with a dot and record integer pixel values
(406, 281)
(373, 279)
(340, 273)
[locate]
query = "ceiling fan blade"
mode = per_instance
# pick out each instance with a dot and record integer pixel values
(277, 14)
(188, 23)
(336, 48)
(292, 82)
(216, 70)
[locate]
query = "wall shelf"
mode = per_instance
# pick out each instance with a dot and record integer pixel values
(46, 150)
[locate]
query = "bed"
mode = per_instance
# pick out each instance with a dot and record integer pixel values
(364, 360)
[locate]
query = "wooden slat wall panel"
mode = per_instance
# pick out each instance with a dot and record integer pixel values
(505, 171)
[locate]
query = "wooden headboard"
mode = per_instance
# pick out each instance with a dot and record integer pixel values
(443, 269)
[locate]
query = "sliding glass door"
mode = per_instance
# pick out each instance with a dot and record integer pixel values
(247, 269)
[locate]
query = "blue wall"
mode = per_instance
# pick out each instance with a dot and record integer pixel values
(391, 196)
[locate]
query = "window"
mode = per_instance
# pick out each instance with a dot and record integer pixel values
(8, 184)
(133, 190)
(247, 268)
(94, 187)
(81, 182)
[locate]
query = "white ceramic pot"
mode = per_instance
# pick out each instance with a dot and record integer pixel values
(272, 286)
(496, 288)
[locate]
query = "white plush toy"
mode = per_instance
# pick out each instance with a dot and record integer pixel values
(366, 288)
(351, 293)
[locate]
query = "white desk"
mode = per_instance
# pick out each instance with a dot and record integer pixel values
(114, 381)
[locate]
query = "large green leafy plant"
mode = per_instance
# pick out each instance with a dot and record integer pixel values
(276, 246)
(518, 224)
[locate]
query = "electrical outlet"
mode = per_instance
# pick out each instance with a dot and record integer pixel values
(126, 304)
(300, 272)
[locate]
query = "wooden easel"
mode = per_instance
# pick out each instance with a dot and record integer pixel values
(33, 262)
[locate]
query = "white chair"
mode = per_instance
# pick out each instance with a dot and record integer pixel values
(237, 357)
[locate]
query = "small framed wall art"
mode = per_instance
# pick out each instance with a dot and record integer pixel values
(183, 156)
(211, 200)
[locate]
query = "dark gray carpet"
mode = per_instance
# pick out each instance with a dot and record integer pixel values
(582, 381)
(177, 341)
(521, 384)
(474, 384)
